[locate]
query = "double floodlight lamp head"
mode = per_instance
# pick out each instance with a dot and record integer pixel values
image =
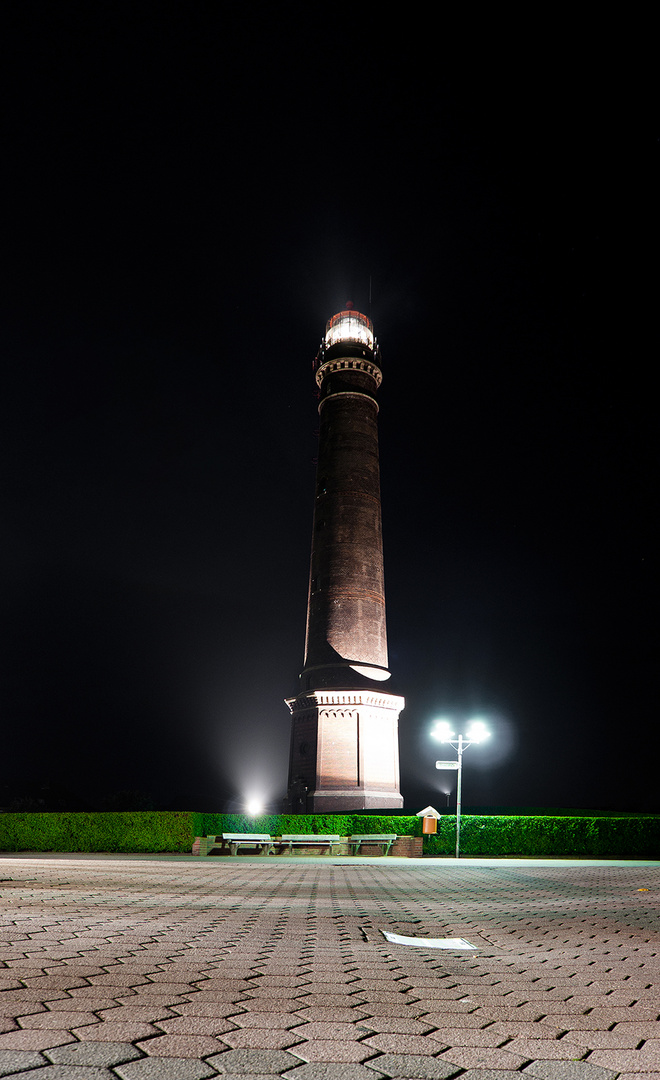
(476, 732)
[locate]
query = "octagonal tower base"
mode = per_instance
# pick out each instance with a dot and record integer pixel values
(344, 751)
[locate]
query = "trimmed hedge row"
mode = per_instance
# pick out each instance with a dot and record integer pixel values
(581, 837)
(167, 831)
(141, 831)
(277, 824)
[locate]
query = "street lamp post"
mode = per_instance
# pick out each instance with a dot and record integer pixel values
(443, 733)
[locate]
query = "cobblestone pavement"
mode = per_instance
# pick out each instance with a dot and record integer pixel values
(182, 969)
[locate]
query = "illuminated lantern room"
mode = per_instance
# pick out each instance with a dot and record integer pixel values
(349, 326)
(348, 333)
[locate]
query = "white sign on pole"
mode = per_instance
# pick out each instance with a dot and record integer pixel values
(446, 765)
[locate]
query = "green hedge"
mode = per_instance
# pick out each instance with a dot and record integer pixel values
(152, 831)
(149, 831)
(583, 837)
(277, 824)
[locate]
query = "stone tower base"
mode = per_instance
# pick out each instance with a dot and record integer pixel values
(335, 802)
(344, 751)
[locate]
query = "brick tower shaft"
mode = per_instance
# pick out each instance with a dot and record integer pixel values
(346, 605)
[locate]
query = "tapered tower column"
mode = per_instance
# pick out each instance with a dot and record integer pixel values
(344, 739)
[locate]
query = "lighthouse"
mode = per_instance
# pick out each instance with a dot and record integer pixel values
(344, 724)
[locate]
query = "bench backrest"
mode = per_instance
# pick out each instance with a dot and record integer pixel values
(373, 836)
(311, 838)
(260, 837)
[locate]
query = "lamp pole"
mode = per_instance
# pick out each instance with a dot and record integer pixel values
(458, 795)
(443, 733)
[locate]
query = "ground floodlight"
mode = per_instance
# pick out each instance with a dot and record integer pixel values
(254, 807)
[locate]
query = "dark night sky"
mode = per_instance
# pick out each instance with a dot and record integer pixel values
(189, 195)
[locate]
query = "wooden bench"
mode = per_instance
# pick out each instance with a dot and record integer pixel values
(308, 840)
(385, 840)
(261, 841)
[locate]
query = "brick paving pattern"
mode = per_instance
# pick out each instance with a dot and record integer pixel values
(175, 969)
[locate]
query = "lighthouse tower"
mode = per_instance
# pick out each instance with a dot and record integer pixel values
(344, 723)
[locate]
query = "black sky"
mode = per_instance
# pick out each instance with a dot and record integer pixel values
(190, 192)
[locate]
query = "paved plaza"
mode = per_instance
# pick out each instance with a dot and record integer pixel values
(175, 968)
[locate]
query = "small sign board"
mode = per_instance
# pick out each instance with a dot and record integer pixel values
(446, 765)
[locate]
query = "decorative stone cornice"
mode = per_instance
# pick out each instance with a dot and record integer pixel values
(349, 363)
(316, 699)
